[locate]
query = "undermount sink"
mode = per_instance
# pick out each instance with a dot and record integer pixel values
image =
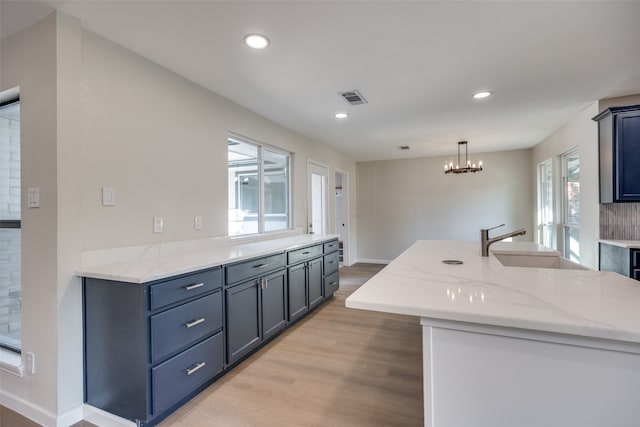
(538, 261)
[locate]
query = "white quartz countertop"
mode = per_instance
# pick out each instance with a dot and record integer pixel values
(147, 269)
(587, 303)
(630, 244)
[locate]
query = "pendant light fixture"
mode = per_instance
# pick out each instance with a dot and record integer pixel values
(467, 166)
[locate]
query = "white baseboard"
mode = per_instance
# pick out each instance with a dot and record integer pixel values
(27, 409)
(372, 261)
(43, 417)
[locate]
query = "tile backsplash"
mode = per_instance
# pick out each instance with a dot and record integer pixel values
(620, 221)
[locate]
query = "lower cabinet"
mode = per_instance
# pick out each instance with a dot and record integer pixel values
(256, 310)
(305, 287)
(623, 260)
(150, 347)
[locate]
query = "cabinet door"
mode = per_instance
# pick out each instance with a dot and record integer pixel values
(628, 156)
(274, 304)
(315, 282)
(297, 291)
(243, 319)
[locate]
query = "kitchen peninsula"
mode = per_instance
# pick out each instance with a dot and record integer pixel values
(164, 325)
(515, 346)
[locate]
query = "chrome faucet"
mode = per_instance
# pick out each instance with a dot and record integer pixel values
(486, 241)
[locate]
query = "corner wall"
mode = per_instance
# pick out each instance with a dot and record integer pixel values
(401, 201)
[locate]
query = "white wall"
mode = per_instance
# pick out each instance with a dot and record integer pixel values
(95, 114)
(581, 132)
(401, 201)
(28, 60)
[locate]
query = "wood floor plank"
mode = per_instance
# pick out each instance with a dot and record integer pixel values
(337, 367)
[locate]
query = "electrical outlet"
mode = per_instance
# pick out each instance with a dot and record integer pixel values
(158, 224)
(31, 363)
(197, 222)
(33, 197)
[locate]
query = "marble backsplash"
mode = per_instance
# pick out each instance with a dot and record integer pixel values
(620, 221)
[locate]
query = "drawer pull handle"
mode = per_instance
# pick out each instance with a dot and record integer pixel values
(333, 283)
(194, 322)
(194, 286)
(261, 266)
(195, 368)
(332, 262)
(306, 253)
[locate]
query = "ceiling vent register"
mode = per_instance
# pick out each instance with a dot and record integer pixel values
(353, 97)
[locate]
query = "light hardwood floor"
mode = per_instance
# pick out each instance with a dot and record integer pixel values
(337, 367)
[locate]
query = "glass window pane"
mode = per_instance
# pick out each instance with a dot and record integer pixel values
(10, 232)
(573, 189)
(10, 288)
(244, 190)
(572, 243)
(276, 191)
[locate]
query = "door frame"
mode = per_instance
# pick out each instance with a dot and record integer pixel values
(327, 220)
(345, 208)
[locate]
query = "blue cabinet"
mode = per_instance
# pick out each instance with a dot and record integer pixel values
(619, 154)
(150, 346)
(256, 310)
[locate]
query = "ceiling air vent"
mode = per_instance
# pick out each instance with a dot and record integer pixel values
(353, 97)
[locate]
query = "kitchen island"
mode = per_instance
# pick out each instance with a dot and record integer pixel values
(515, 346)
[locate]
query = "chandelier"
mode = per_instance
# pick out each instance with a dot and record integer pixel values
(467, 166)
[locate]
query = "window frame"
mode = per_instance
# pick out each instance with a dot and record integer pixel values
(542, 166)
(261, 147)
(12, 224)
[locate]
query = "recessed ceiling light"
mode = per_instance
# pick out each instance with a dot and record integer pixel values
(342, 115)
(481, 95)
(256, 41)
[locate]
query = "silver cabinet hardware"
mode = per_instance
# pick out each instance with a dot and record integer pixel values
(194, 286)
(260, 265)
(195, 368)
(333, 283)
(194, 322)
(306, 253)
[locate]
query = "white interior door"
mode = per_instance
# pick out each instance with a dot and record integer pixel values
(317, 178)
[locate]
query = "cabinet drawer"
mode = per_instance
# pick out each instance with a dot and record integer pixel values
(331, 246)
(254, 267)
(176, 290)
(331, 263)
(182, 374)
(178, 327)
(304, 254)
(331, 284)
(635, 257)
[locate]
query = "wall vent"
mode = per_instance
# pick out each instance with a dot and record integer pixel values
(405, 147)
(353, 97)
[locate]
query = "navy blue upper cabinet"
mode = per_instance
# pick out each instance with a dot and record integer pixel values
(619, 150)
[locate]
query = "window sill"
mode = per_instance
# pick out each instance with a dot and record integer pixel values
(11, 362)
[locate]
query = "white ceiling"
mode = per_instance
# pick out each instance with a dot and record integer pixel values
(417, 63)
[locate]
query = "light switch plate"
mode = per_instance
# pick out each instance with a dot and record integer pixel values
(33, 197)
(108, 196)
(197, 222)
(158, 224)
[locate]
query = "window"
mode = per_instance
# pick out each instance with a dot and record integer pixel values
(259, 188)
(571, 204)
(545, 204)
(10, 226)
